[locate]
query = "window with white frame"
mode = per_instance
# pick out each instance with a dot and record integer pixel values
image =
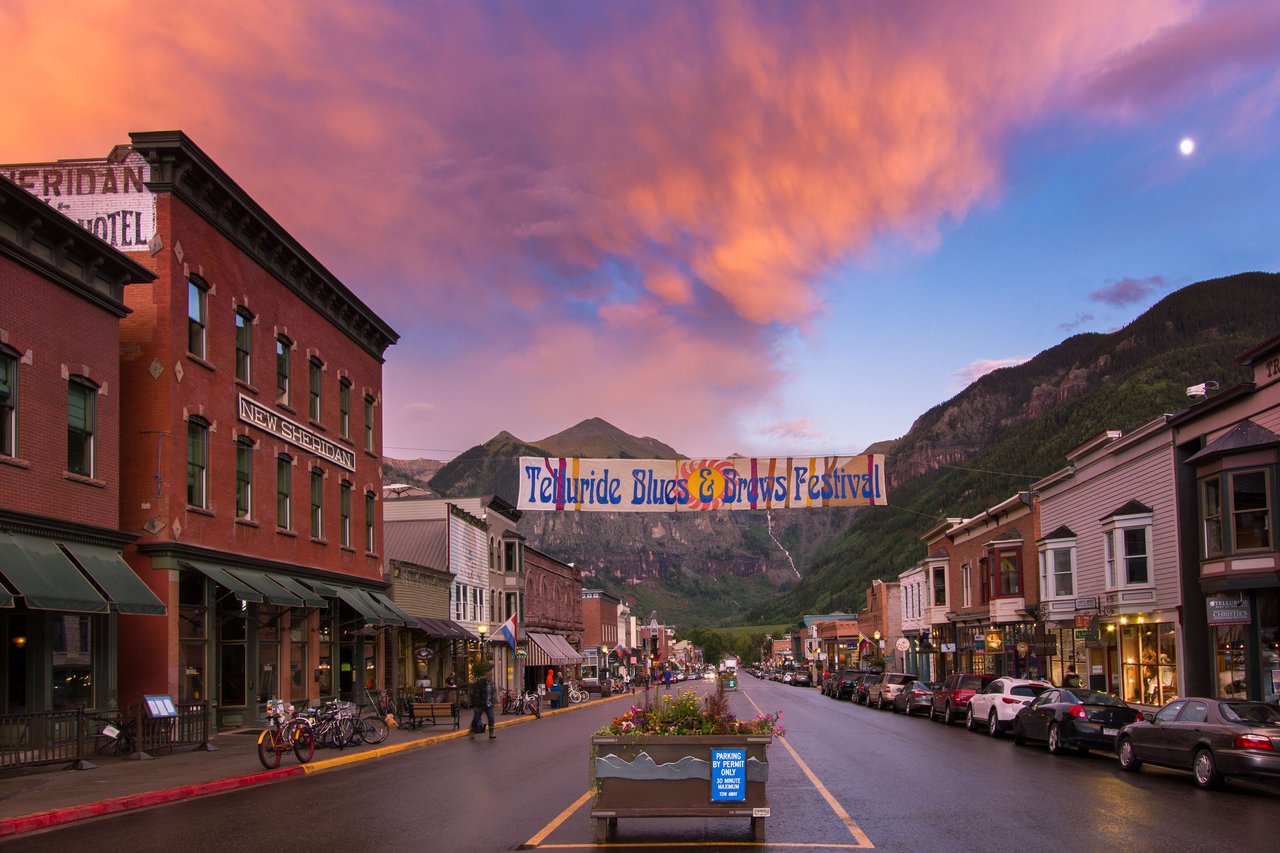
(965, 578)
(197, 317)
(1058, 568)
(939, 586)
(1127, 551)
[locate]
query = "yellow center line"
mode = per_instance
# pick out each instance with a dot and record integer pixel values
(561, 818)
(854, 829)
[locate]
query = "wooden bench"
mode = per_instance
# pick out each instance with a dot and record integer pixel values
(433, 712)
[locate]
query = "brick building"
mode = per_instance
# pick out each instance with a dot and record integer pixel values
(250, 437)
(64, 582)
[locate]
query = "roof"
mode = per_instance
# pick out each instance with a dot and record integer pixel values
(1245, 435)
(1133, 507)
(423, 543)
(1062, 532)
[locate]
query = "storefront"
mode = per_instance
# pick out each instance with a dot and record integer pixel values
(1245, 633)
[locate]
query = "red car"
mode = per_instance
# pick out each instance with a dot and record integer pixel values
(951, 700)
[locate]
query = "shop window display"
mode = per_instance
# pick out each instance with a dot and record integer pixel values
(1150, 656)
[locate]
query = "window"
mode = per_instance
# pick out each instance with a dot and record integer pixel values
(965, 581)
(1211, 516)
(197, 317)
(198, 463)
(1127, 550)
(82, 417)
(344, 514)
(283, 347)
(317, 503)
(284, 491)
(985, 580)
(244, 478)
(1135, 555)
(1250, 511)
(8, 401)
(344, 408)
(940, 586)
(244, 346)
(368, 423)
(1009, 569)
(317, 372)
(368, 522)
(1057, 570)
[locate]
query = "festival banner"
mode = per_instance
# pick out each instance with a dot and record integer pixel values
(700, 485)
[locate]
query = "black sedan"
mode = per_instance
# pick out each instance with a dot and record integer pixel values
(1210, 737)
(1065, 717)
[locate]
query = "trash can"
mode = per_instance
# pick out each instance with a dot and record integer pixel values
(556, 693)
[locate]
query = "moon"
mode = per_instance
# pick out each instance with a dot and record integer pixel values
(1187, 146)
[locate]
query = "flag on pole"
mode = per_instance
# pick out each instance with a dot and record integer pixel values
(508, 632)
(621, 651)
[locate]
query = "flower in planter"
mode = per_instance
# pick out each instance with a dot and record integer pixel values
(684, 714)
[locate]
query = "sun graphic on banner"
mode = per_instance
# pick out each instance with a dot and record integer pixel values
(706, 479)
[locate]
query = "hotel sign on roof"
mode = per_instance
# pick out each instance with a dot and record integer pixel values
(251, 412)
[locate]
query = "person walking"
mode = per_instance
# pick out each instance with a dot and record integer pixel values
(626, 681)
(1072, 678)
(481, 697)
(666, 678)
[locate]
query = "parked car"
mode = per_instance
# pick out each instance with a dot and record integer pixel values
(1076, 717)
(950, 702)
(801, 678)
(1211, 738)
(848, 682)
(914, 696)
(994, 707)
(882, 693)
(864, 687)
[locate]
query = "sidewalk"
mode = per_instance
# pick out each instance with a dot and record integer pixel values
(45, 798)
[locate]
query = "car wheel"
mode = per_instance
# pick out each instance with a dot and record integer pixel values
(947, 717)
(993, 725)
(1056, 746)
(969, 722)
(1018, 737)
(1208, 775)
(1128, 757)
(880, 702)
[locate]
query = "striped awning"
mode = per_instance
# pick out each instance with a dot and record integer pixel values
(550, 650)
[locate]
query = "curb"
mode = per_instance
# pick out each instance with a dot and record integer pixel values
(70, 814)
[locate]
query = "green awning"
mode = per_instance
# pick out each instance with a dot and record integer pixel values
(309, 598)
(239, 588)
(389, 616)
(38, 570)
(381, 598)
(321, 588)
(263, 583)
(361, 605)
(6, 600)
(115, 578)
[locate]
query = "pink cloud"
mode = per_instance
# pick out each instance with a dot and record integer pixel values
(635, 198)
(967, 375)
(1127, 291)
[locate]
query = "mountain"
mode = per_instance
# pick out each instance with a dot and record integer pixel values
(1015, 425)
(998, 436)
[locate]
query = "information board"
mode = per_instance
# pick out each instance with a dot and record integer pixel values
(728, 775)
(159, 707)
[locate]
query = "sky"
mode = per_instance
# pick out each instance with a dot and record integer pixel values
(772, 229)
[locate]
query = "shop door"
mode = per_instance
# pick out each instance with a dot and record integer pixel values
(346, 671)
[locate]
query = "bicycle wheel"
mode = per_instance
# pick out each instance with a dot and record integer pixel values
(304, 742)
(537, 707)
(344, 732)
(374, 729)
(268, 749)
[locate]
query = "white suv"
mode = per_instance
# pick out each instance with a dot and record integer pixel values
(995, 706)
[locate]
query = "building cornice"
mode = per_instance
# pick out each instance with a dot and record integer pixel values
(180, 168)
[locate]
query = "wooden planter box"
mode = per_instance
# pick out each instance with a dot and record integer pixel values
(653, 776)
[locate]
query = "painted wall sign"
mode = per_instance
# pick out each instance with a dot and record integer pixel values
(728, 775)
(252, 412)
(108, 199)
(671, 485)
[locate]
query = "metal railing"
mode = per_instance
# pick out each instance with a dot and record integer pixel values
(77, 737)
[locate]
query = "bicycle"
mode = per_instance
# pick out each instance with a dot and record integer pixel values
(282, 735)
(521, 703)
(576, 692)
(372, 729)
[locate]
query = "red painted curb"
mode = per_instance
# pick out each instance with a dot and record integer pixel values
(57, 817)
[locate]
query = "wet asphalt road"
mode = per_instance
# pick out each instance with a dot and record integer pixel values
(847, 777)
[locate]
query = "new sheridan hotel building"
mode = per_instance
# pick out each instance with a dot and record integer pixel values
(250, 430)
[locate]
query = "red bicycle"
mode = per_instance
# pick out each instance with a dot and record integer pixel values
(282, 735)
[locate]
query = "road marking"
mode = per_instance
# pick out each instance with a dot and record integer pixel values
(559, 819)
(854, 829)
(702, 845)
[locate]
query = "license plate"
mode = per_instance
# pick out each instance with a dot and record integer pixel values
(1110, 732)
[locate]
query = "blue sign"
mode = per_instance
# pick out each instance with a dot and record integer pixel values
(728, 775)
